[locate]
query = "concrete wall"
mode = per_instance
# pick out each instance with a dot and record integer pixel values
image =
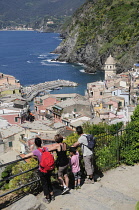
(1, 148)
(10, 92)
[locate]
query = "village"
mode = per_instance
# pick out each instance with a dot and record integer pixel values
(111, 101)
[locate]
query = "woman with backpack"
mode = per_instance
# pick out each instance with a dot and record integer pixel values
(44, 173)
(62, 161)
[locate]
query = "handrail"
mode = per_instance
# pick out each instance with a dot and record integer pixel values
(25, 185)
(10, 177)
(15, 161)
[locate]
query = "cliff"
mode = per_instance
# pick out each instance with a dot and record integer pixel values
(101, 27)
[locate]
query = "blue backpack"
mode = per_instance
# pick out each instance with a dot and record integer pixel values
(91, 141)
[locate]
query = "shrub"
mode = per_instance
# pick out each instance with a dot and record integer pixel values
(23, 179)
(137, 206)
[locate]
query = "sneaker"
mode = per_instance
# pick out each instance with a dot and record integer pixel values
(46, 200)
(65, 190)
(78, 187)
(93, 181)
(52, 197)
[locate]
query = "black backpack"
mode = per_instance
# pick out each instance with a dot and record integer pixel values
(91, 141)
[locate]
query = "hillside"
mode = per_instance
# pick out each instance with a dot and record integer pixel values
(28, 11)
(101, 27)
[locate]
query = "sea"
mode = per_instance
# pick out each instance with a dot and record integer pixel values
(28, 56)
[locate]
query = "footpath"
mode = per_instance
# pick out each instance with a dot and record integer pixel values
(118, 189)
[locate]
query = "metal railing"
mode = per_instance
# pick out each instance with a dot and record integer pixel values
(13, 176)
(108, 153)
(112, 146)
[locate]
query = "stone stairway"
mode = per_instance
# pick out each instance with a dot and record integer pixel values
(118, 189)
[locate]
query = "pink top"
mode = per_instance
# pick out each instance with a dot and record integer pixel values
(74, 161)
(39, 154)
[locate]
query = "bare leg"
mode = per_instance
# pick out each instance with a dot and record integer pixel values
(61, 181)
(91, 176)
(66, 180)
(52, 193)
(79, 181)
(75, 183)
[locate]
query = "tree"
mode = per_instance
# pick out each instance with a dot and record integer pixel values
(130, 140)
(135, 115)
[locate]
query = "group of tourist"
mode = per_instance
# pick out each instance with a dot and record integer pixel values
(63, 162)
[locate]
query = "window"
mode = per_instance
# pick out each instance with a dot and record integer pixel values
(91, 93)
(120, 103)
(22, 136)
(10, 144)
(16, 119)
(114, 93)
(75, 110)
(101, 93)
(110, 107)
(13, 91)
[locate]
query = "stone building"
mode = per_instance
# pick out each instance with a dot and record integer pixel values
(110, 67)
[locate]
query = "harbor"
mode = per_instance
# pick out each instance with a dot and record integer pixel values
(29, 92)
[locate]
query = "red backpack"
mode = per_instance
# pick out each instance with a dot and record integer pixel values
(47, 161)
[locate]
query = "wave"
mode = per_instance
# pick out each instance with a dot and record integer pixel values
(42, 56)
(58, 38)
(54, 61)
(82, 70)
(47, 64)
(29, 62)
(61, 61)
(92, 73)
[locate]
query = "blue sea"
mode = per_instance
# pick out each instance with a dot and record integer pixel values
(27, 56)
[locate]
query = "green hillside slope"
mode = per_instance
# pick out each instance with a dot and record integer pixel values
(99, 28)
(26, 11)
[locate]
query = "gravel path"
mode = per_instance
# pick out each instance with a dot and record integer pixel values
(117, 189)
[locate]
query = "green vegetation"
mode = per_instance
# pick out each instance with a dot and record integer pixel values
(115, 145)
(130, 140)
(5, 174)
(113, 25)
(28, 12)
(107, 144)
(18, 181)
(137, 206)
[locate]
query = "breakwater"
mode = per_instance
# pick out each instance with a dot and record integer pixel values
(29, 92)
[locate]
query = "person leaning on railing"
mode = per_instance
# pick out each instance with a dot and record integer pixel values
(44, 177)
(62, 162)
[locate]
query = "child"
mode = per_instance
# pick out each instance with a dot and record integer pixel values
(74, 162)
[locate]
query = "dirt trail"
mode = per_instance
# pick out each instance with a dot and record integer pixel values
(118, 189)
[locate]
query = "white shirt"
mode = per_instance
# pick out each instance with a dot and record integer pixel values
(83, 141)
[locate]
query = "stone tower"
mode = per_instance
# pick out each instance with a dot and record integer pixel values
(109, 67)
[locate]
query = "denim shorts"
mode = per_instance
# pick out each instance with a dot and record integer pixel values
(77, 175)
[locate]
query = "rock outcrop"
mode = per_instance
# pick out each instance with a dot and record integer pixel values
(100, 29)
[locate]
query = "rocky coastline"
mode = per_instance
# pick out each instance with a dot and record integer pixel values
(90, 41)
